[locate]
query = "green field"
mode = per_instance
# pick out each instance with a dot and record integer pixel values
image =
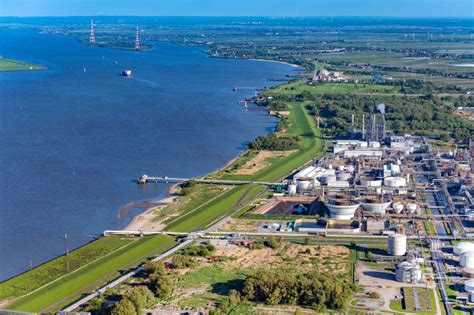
(408, 304)
(68, 288)
(13, 65)
(52, 270)
(298, 87)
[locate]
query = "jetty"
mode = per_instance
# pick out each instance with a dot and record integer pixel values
(174, 180)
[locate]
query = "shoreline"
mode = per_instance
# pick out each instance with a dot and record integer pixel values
(293, 65)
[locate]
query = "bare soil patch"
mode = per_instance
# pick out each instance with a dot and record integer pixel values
(260, 161)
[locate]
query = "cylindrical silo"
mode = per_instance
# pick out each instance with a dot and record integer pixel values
(467, 259)
(462, 247)
(397, 244)
(291, 189)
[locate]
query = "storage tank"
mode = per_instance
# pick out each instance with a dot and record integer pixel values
(343, 176)
(397, 207)
(411, 207)
(397, 244)
(462, 247)
(303, 184)
(467, 259)
(340, 168)
(469, 286)
(408, 272)
(395, 182)
(292, 189)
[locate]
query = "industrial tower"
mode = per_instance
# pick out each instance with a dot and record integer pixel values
(137, 40)
(92, 37)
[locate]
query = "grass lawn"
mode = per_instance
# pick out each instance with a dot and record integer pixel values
(398, 305)
(52, 270)
(13, 65)
(69, 288)
(199, 194)
(214, 210)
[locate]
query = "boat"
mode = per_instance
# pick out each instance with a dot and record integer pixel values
(127, 73)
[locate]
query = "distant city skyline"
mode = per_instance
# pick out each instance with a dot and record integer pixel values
(388, 8)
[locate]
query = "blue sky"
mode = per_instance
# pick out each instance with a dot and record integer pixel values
(408, 8)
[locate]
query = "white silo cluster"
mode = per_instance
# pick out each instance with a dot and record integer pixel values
(410, 207)
(408, 271)
(314, 176)
(397, 244)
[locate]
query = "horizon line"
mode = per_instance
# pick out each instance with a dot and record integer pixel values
(244, 16)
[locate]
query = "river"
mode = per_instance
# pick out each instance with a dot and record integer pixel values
(74, 138)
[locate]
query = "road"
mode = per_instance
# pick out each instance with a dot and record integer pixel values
(117, 281)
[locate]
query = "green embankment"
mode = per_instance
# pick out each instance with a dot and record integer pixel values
(52, 270)
(68, 288)
(14, 65)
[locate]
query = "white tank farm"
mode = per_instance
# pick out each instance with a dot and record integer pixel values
(291, 189)
(397, 244)
(408, 272)
(462, 247)
(395, 182)
(469, 286)
(467, 259)
(398, 207)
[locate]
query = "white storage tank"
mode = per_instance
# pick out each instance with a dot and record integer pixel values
(398, 207)
(467, 259)
(397, 244)
(462, 247)
(395, 182)
(411, 207)
(408, 272)
(469, 286)
(291, 189)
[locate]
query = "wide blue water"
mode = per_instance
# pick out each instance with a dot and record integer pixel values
(72, 140)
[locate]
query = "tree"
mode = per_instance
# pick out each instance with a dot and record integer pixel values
(154, 267)
(161, 284)
(140, 296)
(124, 307)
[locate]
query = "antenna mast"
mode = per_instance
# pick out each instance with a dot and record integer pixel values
(137, 40)
(92, 37)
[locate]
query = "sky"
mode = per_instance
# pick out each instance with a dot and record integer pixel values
(394, 8)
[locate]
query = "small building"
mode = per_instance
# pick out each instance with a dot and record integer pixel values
(376, 226)
(324, 75)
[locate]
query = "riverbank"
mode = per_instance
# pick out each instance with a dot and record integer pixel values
(15, 65)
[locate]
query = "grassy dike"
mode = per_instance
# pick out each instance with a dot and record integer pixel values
(60, 289)
(66, 289)
(14, 65)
